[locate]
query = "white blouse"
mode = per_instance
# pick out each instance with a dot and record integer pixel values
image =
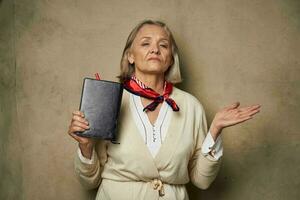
(154, 134)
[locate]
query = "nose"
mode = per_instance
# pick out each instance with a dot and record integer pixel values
(154, 49)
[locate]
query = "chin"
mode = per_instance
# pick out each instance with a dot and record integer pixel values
(154, 71)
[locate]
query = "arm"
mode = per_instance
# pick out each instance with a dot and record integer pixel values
(203, 172)
(91, 155)
(203, 168)
(88, 170)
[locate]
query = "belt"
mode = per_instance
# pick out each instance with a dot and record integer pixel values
(158, 185)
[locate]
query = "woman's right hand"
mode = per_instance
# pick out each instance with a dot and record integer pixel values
(80, 124)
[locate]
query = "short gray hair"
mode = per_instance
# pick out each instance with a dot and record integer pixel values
(172, 75)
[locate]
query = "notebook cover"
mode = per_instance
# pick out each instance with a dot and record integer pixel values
(100, 103)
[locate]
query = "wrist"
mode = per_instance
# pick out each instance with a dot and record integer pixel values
(86, 150)
(215, 131)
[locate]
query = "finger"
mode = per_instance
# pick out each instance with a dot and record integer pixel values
(250, 113)
(78, 113)
(240, 120)
(80, 119)
(76, 137)
(246, 109)
(83, 140)
(232, 106)
(244, 119)
(247, 113)
(236, 121)
(253, 107)
(80, 124)
(249, 109)
(256, 106)
(76, 129)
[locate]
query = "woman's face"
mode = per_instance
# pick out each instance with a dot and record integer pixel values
(151, 50)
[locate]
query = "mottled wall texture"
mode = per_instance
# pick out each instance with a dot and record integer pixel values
(231, 50)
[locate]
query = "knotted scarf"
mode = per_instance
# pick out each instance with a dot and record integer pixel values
(135, 86)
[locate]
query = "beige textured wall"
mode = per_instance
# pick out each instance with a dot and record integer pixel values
(11, 176)
(230, 49)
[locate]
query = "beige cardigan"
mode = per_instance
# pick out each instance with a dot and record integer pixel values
(127, 170)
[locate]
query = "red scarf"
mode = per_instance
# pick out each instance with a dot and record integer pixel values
(136, 87)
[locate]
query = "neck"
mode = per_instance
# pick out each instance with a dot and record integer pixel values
(154, 81)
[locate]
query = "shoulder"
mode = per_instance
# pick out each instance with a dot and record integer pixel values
(186, 98)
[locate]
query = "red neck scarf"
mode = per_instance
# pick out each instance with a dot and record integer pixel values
(135, 86)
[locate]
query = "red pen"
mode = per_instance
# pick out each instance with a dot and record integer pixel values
(97, 76)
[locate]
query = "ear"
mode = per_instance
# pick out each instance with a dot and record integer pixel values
(130, 57)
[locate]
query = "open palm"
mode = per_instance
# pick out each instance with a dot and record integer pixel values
(232, 115)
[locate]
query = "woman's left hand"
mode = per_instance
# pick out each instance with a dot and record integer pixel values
(231, 115)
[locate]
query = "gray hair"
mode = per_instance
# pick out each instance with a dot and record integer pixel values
(172, 74)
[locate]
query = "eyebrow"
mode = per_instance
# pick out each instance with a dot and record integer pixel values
(150, 38)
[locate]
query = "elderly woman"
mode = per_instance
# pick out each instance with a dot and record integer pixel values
(163, 136)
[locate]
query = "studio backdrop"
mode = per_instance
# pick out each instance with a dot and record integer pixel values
(230, 50)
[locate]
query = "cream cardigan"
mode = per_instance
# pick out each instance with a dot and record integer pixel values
(128, 170)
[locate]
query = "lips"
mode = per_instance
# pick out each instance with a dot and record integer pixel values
(154, 58)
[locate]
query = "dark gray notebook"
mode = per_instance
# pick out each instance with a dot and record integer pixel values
(100, 103)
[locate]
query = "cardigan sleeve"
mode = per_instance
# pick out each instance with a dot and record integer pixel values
(211, 147)
(203, 168)
(89, 174)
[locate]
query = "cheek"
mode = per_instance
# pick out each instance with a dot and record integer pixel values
(140, 56)
(169, 59)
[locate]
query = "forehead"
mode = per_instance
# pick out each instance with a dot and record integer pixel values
(152, 31)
